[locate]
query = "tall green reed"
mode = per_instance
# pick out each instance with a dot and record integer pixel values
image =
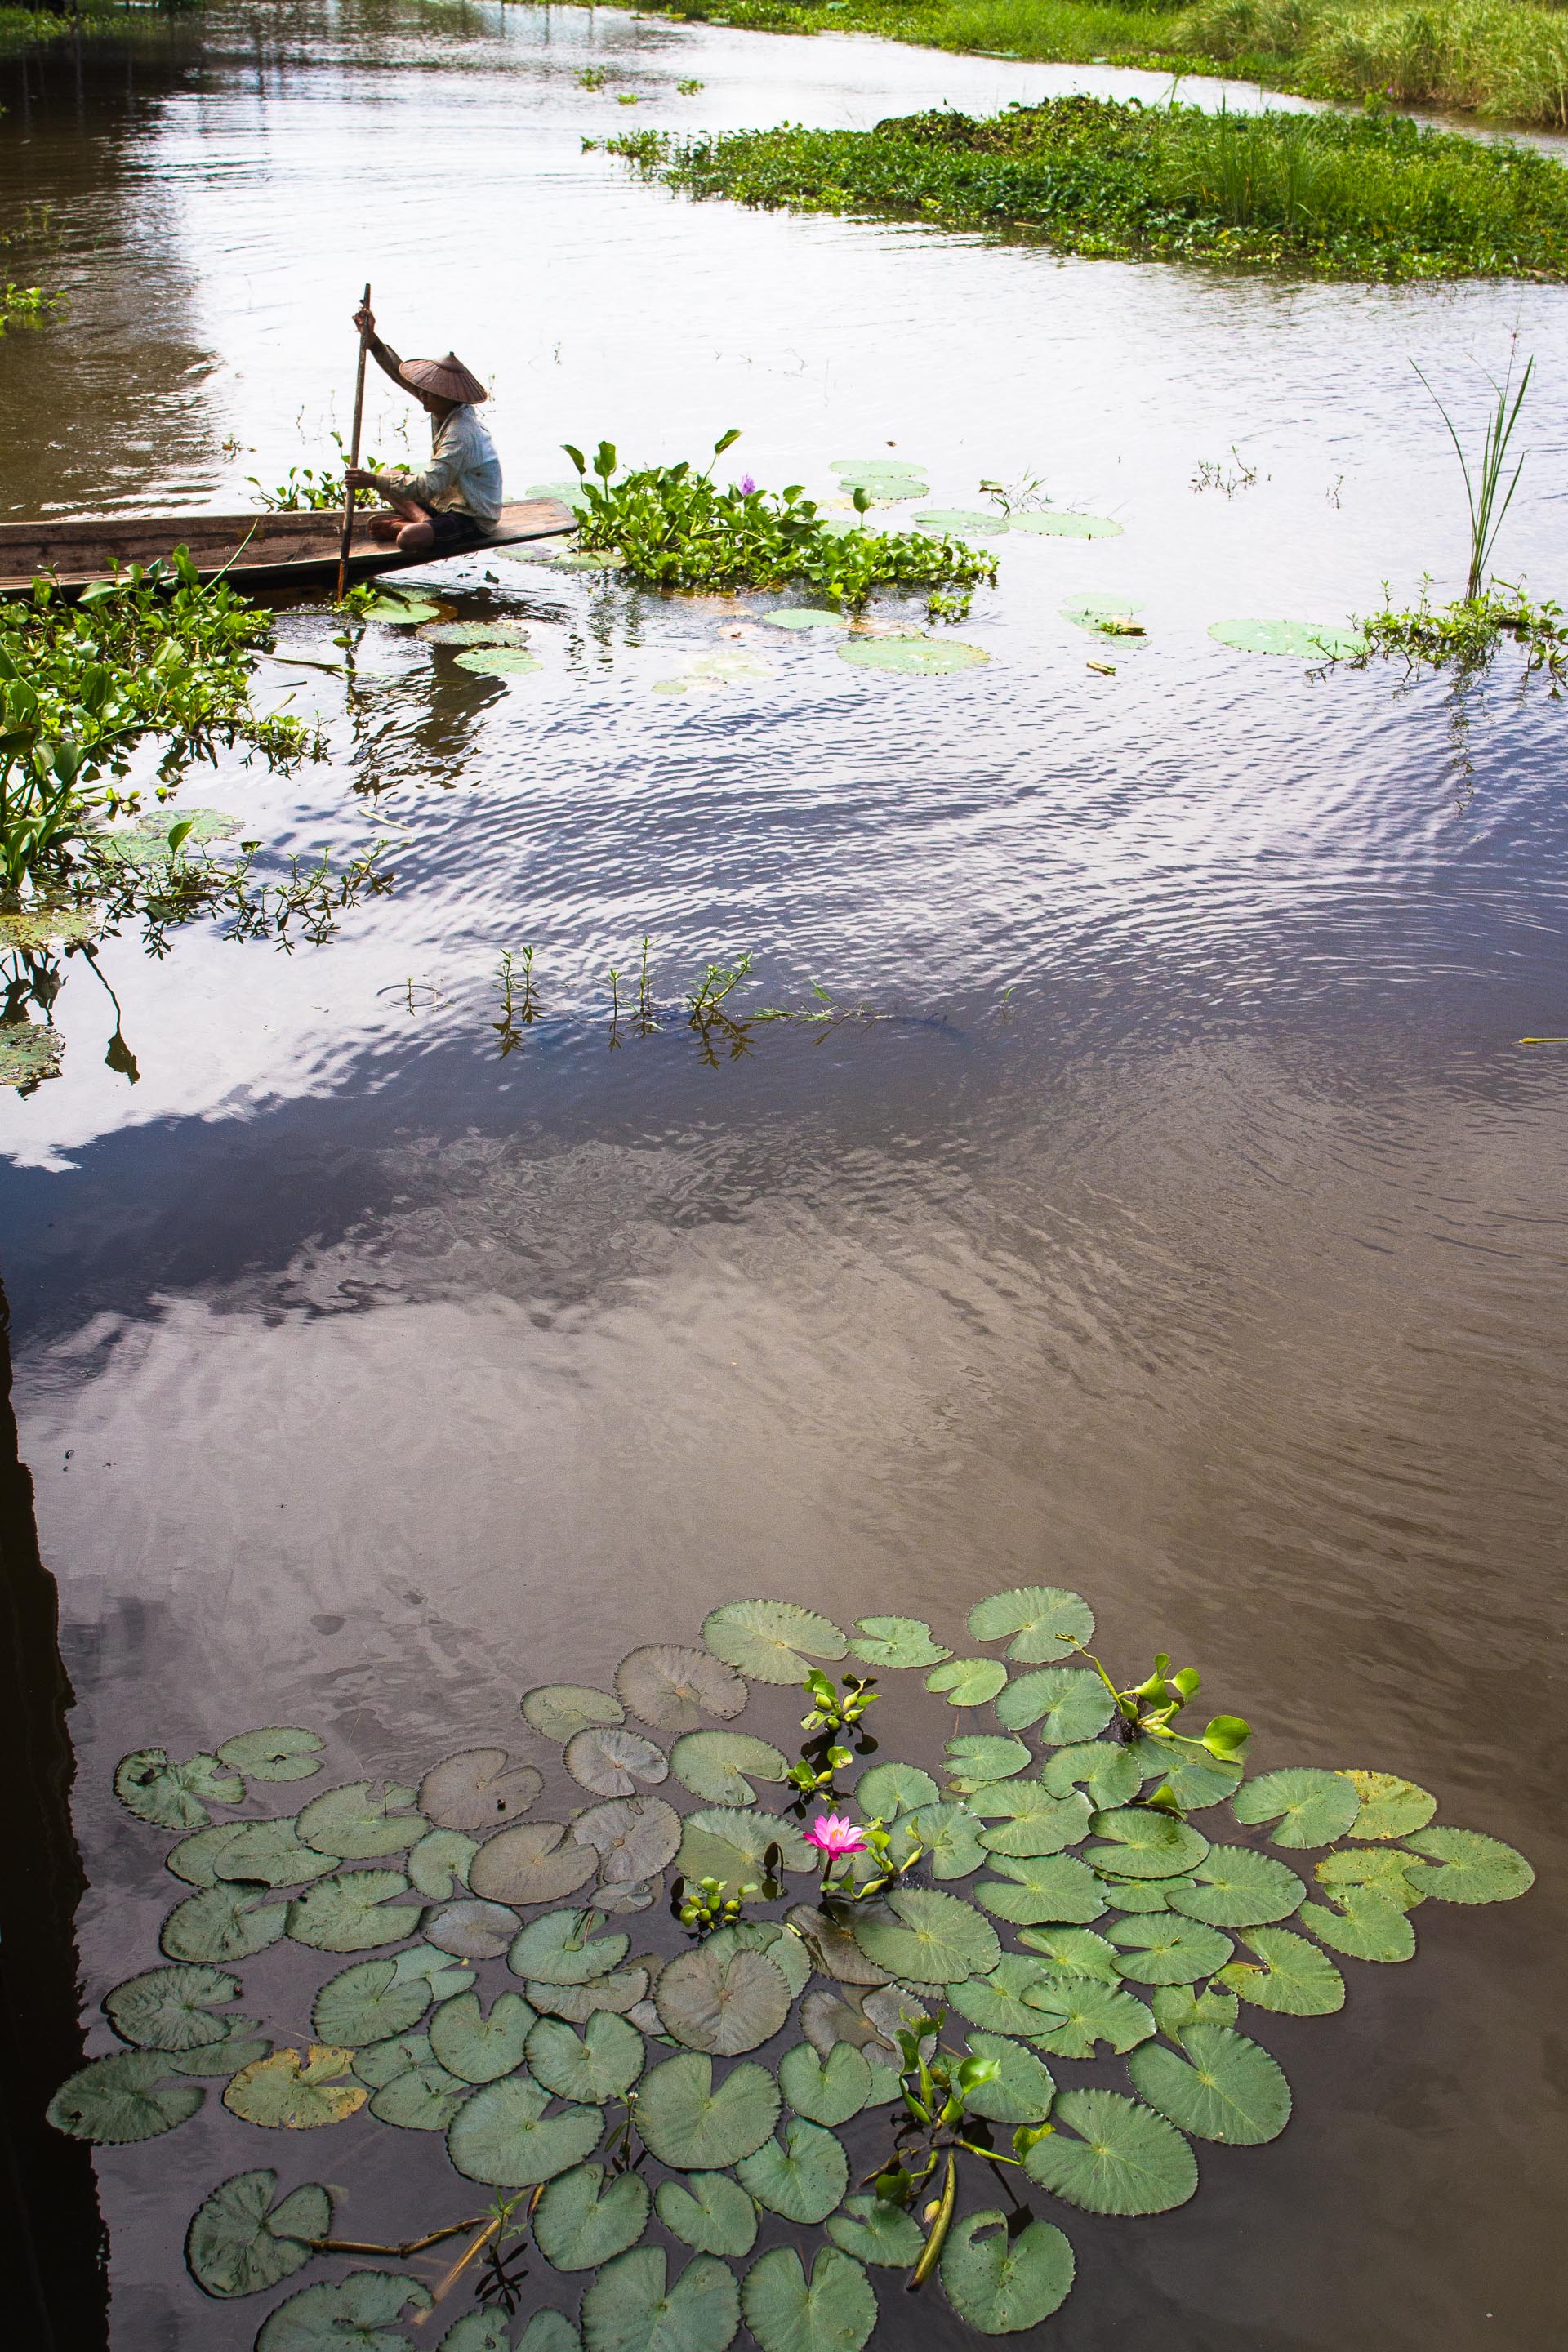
(1488, 501)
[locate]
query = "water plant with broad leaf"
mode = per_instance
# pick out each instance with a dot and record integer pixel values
(844, 2061)
(674, 526)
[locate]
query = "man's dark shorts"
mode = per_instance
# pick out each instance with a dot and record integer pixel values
(450, 530)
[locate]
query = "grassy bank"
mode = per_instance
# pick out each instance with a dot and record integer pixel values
(1369, 196)
(1507, 60)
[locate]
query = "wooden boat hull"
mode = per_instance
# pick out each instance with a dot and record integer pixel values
(253, 552)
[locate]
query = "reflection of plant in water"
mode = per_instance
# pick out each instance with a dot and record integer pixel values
(589, 2088)
(516, 1014)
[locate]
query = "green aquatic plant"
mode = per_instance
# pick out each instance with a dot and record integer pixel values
(1465, 638)
(1373, 195)
(1003, 1915)
(1488, 499)
(152, 656)
(672, 527)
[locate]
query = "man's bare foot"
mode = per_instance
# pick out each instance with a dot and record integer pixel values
(384, 527)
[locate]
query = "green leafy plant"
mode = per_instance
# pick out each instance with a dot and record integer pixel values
(710, 1903)
(1488, 499)
(673, 527)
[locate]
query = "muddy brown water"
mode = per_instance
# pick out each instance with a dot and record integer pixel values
(366, 1376)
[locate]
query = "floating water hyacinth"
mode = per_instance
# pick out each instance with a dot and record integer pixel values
(857, 2017)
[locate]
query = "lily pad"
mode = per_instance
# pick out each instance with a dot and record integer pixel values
(1127, 2159)
(726, 2004)
(1238, 1888)
(116, 2101)
(1289, 1975)
(281, 1752)
(1385, 1871)
(424, 2097)
(872, 469)
(1177, 2007)
(889, 1790)
(296, 2090)
(1075, 2013)
(145, 841)
(498, 661)
(1168, 1950)
(505, 2135)
(976, 1758)
(1069, 1703)
(1142, 1842)
(264, 1853)
(1108, 1772)
(709, 2211)
(826, 2090)
(401, 611)
(600, 2063)
(914, 657)
(1053, 1886)
(470, 1930)
(473, 633)
(695, 2124)
(438, 1864)
(29, 1051)
(923, 1937)
(617, 1993)
(352, 1912)
(995, 2003)
(490, 2331)
(1001, 2283)
(671, 1688)
(633, 1837)
(565, 1947)
(714, 1764)
(480, 2049)
(633, 2305)
(1074, 1951)
(380, 2063)
(771, 1641)
(172, 2008)
(968, 1681)
(240, 2242)
(833, 1949)
(360, 2310)
(1221, 2085)
(175, 1796)
(1193, 1785)
(784, 1949)
(962, 521)
(477, 1790)
(1472, 1868)
(949, 1835)
(1145, 1896)
(1365, 1928)
(805, 616)
(803, 2174)
(1022, 2093)
(833, 2311)
(583, 2221)
(532, 1861)
(222, 1923)
(897, 1642)
(730, 1843)
(558, 1710)
(369, 2003)
(1068, 526)
(1311, 1807)
(614, 1762)
(1390, 1807)
(874, 2230)
(1309, 640)
(1040, 1623)
(1037, 1826)
(362, 1821)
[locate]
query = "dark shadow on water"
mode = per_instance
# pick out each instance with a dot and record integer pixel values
(48, 2188)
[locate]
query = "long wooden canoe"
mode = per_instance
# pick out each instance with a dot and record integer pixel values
(251, 550)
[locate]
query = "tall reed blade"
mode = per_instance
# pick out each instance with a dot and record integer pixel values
(1482, 488)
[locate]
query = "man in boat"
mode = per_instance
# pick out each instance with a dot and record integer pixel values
(458, 495)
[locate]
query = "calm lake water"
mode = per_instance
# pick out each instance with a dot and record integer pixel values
(1184, 1228)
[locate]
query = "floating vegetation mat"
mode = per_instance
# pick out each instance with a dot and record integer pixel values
(29, 1051)
(849, 2035)
(1307, 640)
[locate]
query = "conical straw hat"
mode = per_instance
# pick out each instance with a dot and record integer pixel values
(449, 379)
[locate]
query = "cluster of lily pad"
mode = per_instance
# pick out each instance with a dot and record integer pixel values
(1044, 1892)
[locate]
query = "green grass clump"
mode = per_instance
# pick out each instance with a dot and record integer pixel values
(1506, 59)
(1368, 196)
(672, 527)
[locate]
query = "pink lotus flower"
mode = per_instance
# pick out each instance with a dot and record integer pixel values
(835, 1834)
